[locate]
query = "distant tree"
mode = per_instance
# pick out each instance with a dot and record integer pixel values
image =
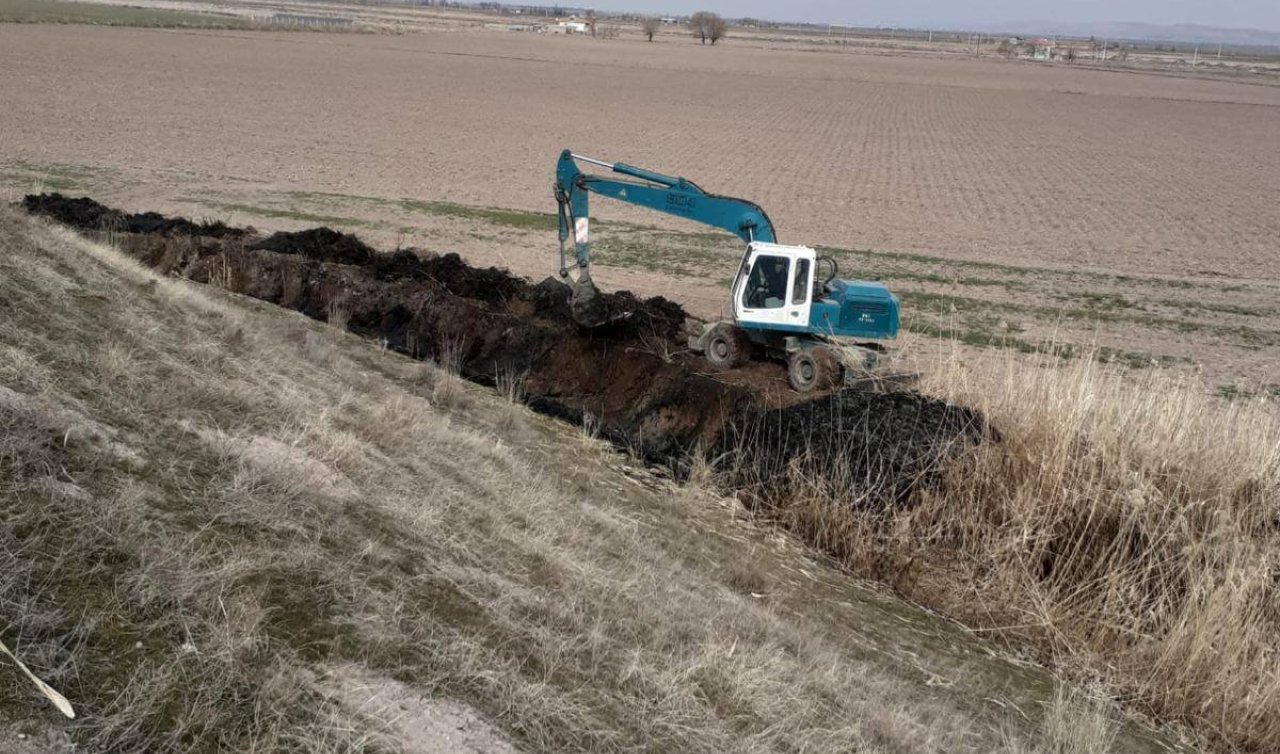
(650, 26)
(706, 25)
(698, 25)
(718, 29)
(1071, 54)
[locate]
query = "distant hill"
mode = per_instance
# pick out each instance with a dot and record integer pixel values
(1185, 33)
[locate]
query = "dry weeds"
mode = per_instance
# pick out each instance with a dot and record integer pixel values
(1125, 524)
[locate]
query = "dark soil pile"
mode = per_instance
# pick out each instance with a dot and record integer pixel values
(86, 214)
(866, 448)
(320, 244)
(632, 379)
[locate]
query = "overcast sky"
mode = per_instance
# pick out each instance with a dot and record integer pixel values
(1246, 14)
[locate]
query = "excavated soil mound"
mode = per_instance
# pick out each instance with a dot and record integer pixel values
(320, 244)
(86, 214)
(633, 380)
(867, 447)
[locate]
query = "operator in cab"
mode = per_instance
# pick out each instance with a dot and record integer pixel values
(768, 283)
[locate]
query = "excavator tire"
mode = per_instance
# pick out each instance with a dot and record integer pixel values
(814, 369)
(727, 346)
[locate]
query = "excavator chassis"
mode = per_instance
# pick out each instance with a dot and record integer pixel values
(813, 364)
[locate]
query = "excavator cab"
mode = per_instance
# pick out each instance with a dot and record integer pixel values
(774, 288)
(791, 289)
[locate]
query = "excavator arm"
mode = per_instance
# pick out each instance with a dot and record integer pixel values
(644, 188)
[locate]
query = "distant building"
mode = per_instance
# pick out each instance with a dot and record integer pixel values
(1041, 49)
(298, 20)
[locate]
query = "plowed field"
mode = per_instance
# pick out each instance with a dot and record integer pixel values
(992, 160)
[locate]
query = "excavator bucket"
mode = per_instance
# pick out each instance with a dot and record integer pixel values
(588, 304)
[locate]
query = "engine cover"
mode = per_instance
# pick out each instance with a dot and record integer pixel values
(856, 309)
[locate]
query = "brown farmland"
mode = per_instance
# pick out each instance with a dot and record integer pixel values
(991, 160)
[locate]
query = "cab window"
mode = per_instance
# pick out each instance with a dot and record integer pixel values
(767, 283)
(800, 289)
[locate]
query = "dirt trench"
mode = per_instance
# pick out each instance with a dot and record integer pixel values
(634, 380)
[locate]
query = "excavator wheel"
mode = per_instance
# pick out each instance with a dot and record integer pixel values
(813, 369)
(727, 346)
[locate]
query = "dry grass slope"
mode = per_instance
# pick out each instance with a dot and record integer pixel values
(219, 521)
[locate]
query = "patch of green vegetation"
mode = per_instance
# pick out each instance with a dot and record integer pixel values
(1250, 336)
(903, 256)
(290, 214)
(41, 183)
(985, 338)
(1175, 283)
(520, 220)
(59, 168)
(935, 278)
(689, 238)
(36, 177)
(1096, 302)
(1235, 392)
(949, 302)
(1016, 271)
(1190, 305)
(873, 272)
(59, 184)
(640, 251)
(67, 12)
(1136, 359)
(1096, 308)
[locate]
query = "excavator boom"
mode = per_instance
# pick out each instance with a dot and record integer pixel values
(663, 193)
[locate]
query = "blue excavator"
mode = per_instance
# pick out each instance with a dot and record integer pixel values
(787, 302)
